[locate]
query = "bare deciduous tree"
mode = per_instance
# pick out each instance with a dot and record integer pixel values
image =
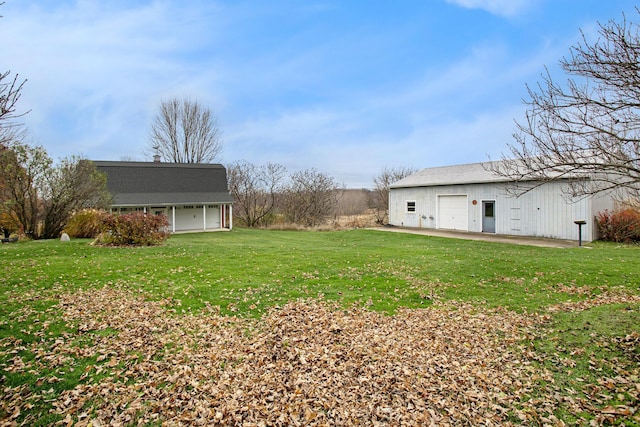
(256, 191)
(10, 92)
(184, 131)
(38, 197)
(311, 198)
(379, 197)
(588, 126)
(72, 185)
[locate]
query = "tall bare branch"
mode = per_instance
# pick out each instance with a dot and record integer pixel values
(256, 191)
(10, 92)
(379, 197)
(311, 198)
(184, 131)
(588, 126)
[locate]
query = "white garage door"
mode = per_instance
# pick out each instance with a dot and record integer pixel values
(189, 218)
(452, 212)
(213, 217)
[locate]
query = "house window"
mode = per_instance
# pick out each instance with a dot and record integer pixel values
(411, 206)
(187, 207)
(198, 206)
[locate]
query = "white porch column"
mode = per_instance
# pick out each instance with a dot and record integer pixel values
(230, 217)
(204, 217)
(173, 218)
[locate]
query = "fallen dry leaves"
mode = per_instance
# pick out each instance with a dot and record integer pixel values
(307, 363)
(605, 298)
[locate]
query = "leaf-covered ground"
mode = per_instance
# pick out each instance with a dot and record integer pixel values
(306, 363)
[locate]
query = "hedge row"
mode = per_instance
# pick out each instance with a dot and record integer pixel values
(134, 229)
(619, 226)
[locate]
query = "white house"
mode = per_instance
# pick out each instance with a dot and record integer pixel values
(193, 196)
(472, 198)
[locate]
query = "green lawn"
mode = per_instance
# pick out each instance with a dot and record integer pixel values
(254, 268)
(246, 272)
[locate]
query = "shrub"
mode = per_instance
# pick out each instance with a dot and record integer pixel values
(134, 229)
(619, 226)
(87, 223)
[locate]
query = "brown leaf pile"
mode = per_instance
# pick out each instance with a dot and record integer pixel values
(307, 363)
(605, 298)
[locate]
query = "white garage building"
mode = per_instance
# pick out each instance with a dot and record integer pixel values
(193, 196)
(472, 198)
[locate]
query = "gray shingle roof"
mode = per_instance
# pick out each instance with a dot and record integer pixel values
(473, 173)
(480, 173)
(147, 183)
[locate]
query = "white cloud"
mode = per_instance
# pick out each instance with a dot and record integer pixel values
(506, 8)
(96, 73)
(344, 143)
(450, 115)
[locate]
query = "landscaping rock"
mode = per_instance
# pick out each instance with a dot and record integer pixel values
(65, 238)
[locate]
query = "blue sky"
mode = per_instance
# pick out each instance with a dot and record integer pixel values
(348, 87)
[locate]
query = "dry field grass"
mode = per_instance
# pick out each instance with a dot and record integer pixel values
(360, 220)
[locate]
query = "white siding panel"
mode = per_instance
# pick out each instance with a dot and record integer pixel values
(515, 220)
(453, 212)
(423, 217)
(542, 212)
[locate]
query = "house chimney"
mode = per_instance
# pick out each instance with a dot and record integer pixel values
(156, 158)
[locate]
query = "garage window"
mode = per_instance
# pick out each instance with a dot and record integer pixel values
(411, 206)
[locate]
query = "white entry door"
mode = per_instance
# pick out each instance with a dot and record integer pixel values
(488, 216)
(453, 212)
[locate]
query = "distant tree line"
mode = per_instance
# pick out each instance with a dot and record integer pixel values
(266, 195)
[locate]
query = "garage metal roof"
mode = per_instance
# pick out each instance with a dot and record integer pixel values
(161, 184)
(473, 173)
